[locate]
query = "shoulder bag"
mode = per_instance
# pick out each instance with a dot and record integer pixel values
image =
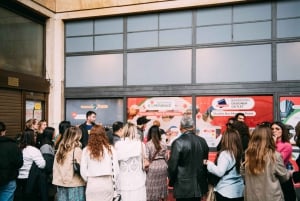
(117, 197)
(76, 165)
(211, 196)
(214, 179)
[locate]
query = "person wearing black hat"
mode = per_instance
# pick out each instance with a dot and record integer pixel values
(141, 125)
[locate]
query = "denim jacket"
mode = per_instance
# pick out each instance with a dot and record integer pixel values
(232, 184)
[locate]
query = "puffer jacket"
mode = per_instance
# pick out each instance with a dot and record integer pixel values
(11, 160)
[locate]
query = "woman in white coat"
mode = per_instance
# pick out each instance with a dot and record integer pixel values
(132, 177)
(99, 166)
(31, 155)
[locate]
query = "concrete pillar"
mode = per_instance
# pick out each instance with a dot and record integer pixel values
(55, 70)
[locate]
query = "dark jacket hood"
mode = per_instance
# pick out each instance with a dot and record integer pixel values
(6, 139)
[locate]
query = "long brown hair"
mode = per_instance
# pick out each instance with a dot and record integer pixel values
(27, 138)
(260, 149)
(70, 140)
(98, 140)
(231, 142)
(155, 136)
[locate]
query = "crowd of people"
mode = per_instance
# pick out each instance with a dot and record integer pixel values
(90, 162)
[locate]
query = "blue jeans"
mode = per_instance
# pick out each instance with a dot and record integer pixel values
(7, 191)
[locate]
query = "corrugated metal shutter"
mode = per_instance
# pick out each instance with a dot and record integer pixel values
(11, 111)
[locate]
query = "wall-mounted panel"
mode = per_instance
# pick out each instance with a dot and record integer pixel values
(94, 70)
(288, 61)
(234, 64)
(163, 67)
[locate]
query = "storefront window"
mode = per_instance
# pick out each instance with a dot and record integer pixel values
(213, 113)
(290, 110)
(167, 110)
(21, 44)
(108, 110)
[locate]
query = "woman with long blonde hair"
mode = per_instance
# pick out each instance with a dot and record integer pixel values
(99, 166)
(70, 185)
(263, 169)
(132, 178)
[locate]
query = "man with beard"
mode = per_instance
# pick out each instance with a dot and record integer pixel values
(86, 127)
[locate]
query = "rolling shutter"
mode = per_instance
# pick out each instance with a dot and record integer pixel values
(11, 111)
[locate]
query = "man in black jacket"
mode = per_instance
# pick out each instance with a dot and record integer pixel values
(187, 173)
(11, 160)
(87, 126)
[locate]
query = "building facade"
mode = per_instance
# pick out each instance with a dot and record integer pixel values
(165, 59)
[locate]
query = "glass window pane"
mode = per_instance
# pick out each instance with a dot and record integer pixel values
(288, 61)
(79, 44)
(252, 12)
(165, 109)
(288, 28)
(212, 34)
(109, 42)
(142, 39)
(288, 8)
(79, 28)
(215, 111)
(142, 23)
(163, 67)
(175, 37)
(245, 31)
(175, 20)
(21, 44)
(32, 112)
(212, 16)
(108, 110)
(94, 70)
(106, 26)
(234, 64)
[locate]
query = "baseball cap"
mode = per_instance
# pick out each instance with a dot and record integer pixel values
(142, 120)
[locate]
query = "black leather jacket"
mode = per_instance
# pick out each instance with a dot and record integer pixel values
(187, 174)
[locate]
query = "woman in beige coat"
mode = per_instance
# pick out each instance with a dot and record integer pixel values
(263, 168)
(70, 186)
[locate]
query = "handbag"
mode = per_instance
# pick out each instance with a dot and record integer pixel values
(211, 196)
(214, 179)
(117, 196)
(76, 165)
(145, 162)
